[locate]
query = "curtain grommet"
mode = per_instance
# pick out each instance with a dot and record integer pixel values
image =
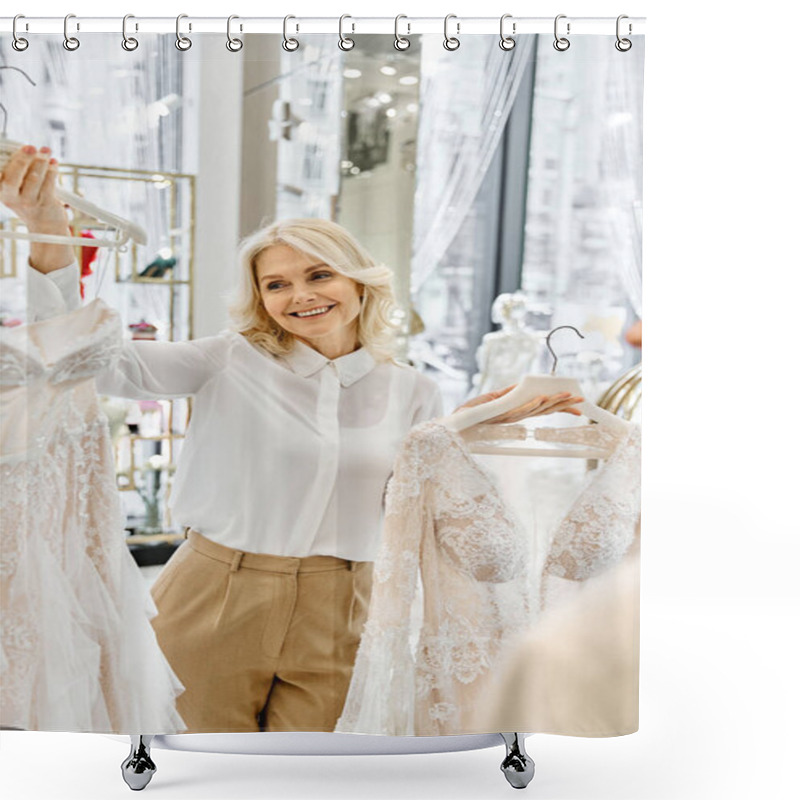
(561, 43)
(183, 43)
(507, 42)
(233, 44)
(289, 44)
(19, 43)
(129, 43)
(623, 45)
(70, 43)
(451, 43)
(400, 42)
(345, 43)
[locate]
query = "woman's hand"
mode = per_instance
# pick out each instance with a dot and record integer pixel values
(543, 404)
(27, 187)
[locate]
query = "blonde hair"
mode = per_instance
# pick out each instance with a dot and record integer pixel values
(331, 244)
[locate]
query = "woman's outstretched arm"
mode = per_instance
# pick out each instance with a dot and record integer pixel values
(145, 370)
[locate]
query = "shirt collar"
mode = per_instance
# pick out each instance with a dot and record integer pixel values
(306, 361)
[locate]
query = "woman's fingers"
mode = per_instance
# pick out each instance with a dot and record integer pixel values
(538, 406)
(34, 178)
(49, 182)
(16, 168)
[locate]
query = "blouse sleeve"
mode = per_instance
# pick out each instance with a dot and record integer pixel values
(145, 370)
(52, 294)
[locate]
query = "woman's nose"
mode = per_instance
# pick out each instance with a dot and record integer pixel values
(302, 295)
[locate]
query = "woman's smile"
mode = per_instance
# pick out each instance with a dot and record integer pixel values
(312, 313)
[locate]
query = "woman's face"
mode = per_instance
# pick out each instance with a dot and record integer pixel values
(292, 284)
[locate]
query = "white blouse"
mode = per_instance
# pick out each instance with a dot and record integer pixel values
(288, 455)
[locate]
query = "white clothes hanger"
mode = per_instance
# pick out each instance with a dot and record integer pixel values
(124, 230)
(529, 387)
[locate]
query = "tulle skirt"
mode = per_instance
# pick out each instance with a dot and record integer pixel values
(77, 651)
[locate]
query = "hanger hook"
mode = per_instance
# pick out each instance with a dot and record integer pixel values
(5, 112)
(547, 342)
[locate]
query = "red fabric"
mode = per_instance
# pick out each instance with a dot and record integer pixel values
(88, 255)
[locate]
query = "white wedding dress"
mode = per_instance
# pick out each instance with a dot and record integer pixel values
(77, 650)
(446, 522)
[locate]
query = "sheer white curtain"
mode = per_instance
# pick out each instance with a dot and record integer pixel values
(623, 155)
(465, 99)
(127, 115)
(307, 126)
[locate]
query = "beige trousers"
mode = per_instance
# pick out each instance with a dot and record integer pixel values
(260, 637)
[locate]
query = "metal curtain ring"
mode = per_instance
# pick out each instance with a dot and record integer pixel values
(451, 42)
(233, 44)
(623, 45)
(344, 42)
(507, 42)
(400, 42)
(182, 42)
(128, 42)
(561, 43)
(289, 44)
(19, 43)
(70, 42)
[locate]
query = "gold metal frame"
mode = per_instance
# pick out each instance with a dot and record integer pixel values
(126, 270)
(625, 394)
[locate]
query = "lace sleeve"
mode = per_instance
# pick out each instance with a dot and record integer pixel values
(600, 526)
(381, 695)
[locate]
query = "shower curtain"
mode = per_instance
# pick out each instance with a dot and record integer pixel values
(223, 514)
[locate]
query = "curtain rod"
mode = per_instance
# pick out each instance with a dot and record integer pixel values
(406, 25)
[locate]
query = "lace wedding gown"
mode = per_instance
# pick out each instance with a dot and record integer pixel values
(445, 520)
(77, 651)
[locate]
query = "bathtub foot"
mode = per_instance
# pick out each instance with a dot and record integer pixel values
(517, 766)
(138, 768)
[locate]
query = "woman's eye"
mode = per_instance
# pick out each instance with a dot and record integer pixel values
(277, 284)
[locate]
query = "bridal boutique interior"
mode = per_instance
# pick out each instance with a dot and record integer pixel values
(503, 189)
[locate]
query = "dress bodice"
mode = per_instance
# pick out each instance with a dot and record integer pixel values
(70, 347)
